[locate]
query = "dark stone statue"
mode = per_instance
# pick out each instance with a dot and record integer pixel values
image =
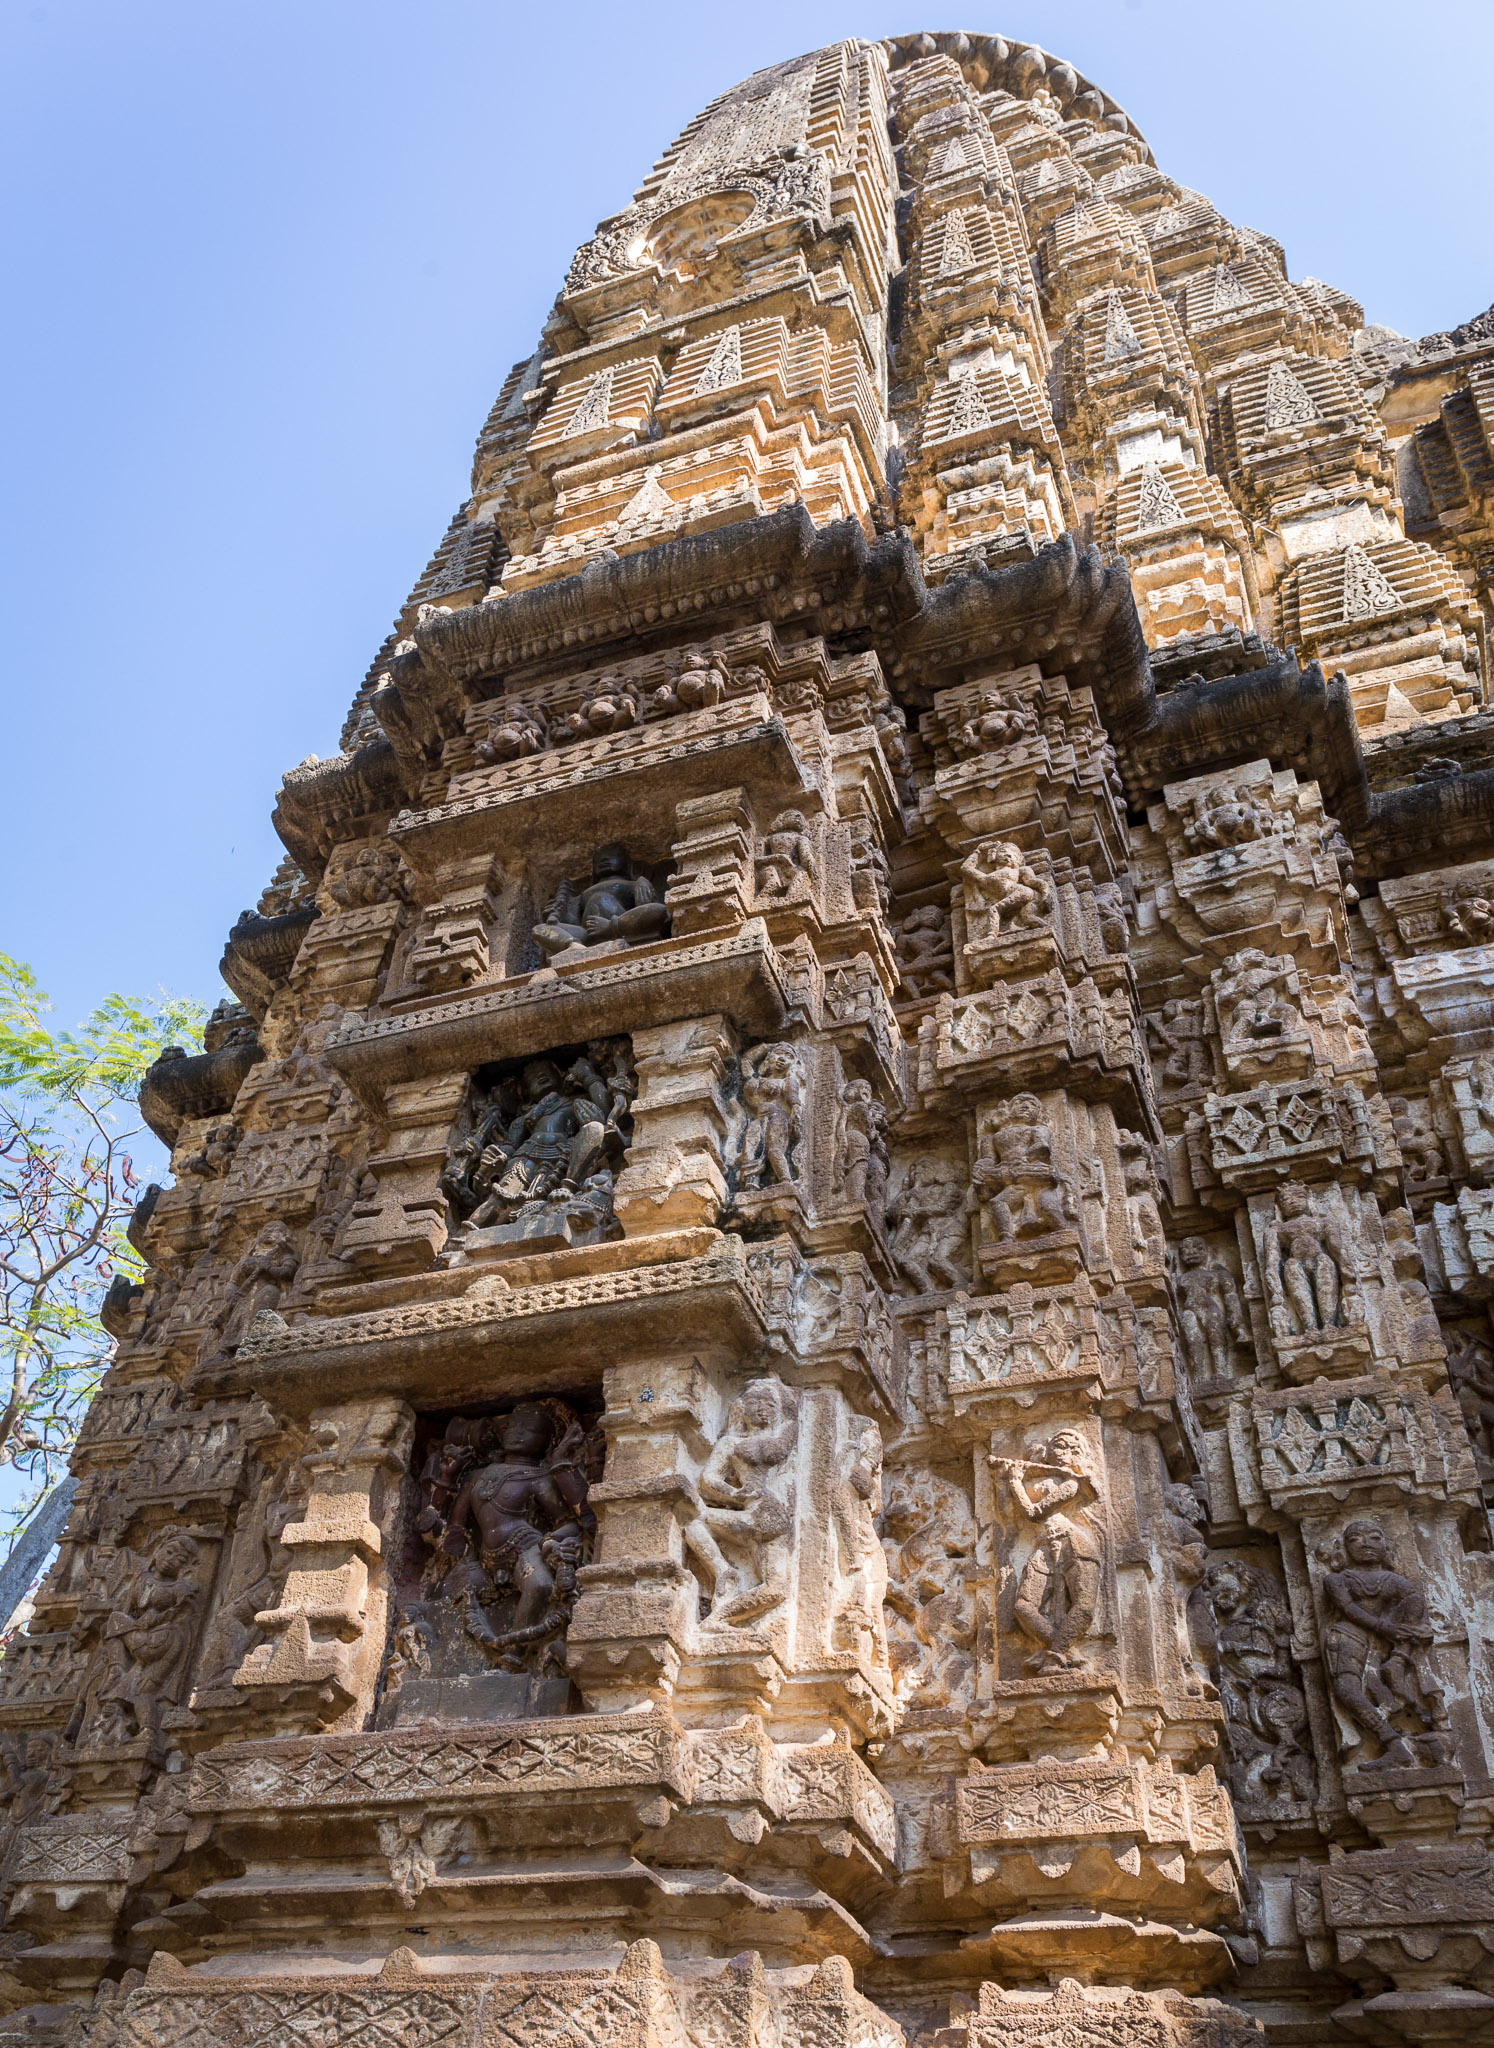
(618, 903)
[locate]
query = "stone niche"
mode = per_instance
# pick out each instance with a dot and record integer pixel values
(494, 1526)
(537, 1150)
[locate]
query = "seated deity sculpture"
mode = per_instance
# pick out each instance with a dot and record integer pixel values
(996, 721)
(619, 903)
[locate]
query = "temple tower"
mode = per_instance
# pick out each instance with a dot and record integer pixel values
(816, 1368)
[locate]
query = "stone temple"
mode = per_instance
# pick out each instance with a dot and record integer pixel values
(817, 1371)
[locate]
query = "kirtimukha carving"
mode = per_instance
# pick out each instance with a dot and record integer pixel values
(816, 1364)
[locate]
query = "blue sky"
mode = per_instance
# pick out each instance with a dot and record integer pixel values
(270, 263)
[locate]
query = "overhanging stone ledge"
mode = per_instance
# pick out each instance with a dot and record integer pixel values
(739, 977)
(501, 1339)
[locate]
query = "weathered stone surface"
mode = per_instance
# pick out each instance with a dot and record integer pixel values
(817, 1365)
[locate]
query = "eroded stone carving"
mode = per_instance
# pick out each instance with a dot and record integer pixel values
(1377, 1650)
(1059, 1587)
(145, 1648)
(928, 1213)
(1270, 1755)
(1306, 1263)
(747, 1506)
(925, 953)
(929, 1536)
(1209, 1310)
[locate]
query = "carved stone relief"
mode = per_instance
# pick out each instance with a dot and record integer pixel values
(487, 1578)
(538, 1151)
